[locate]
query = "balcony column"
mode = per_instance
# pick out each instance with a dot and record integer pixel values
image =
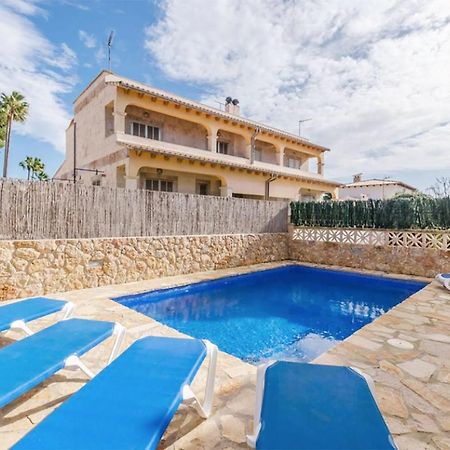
(212, 139)
(226, 191)
(131, 174)
(320, 164)
(131, 182)
(280, 154)
(119, 121)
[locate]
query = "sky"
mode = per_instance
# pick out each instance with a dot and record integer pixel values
(373, 77)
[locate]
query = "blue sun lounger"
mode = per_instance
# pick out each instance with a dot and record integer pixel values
(15, 316)
(131, 402)
(310, 406)
(444, 279)
(26, 363)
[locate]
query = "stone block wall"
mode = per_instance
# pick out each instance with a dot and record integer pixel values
(38, 267)
(409, 261)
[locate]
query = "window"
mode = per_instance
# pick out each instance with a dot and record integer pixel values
(294, 163)
(159, 185)
(222, 147)
(96, 182)
(145, 131)
(258, 154)
(202, 187)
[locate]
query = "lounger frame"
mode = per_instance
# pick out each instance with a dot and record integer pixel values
(445, 281)
(260, 382)
(21, 325)
(189, 398)
(74, 362)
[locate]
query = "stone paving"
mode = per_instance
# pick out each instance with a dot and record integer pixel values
(406, 351)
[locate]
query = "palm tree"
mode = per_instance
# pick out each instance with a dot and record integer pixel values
(15, 109)
(28, 164)
(42, 176)
(2, 129)
(38, 167)
(35, 168)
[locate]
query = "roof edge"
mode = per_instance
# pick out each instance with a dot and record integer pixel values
(138, 86)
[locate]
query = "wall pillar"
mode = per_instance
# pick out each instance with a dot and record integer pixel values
(119, 121)
(320, 164)
(131, 182)
(226, 191)
(212, 139)
(280, 154)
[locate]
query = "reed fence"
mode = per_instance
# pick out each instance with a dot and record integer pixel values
(55, 210)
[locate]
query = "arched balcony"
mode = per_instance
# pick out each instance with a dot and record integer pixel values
(161, 127)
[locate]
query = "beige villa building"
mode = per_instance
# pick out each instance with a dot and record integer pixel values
(374, 189)
(139, 137)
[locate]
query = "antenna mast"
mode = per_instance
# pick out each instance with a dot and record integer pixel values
(110, 41)
(300, 126)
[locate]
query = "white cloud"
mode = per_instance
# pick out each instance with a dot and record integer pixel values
(32, 65)
(87, 39)
(374, 76)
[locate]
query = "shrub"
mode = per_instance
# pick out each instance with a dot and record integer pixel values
(418, 212)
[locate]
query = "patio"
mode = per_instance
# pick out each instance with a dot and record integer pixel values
(406, 351)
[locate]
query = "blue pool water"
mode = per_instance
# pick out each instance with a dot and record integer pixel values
(293, 312)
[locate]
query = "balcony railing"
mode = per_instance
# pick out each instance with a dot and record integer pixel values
(182, 150)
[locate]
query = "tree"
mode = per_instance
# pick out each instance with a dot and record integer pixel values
(42, 176)
(441, 188)
(35, 168)
(2, 129)
(28, 165)
(15, 109)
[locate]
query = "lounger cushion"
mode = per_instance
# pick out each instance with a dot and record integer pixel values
(26, 363)
(29, 309)
(309, 406)
(128, 405)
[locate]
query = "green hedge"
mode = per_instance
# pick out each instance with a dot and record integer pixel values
(397, 213)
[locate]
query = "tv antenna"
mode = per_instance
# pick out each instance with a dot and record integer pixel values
(300, 126)
(110, 41)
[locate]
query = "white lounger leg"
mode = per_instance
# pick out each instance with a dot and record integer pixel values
(20, 325)
(119, 332)
(204, 409)
(74, 362)
(260, 381)
(67, 311)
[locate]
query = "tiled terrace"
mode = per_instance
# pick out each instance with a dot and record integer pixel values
(412, 383)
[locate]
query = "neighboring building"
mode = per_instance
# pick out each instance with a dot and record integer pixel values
(373, 189)
(142, 137)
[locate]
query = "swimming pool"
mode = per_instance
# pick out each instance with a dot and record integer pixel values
(292, 312)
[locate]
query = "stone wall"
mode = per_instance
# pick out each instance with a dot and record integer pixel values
(409, 261)
(43, 266)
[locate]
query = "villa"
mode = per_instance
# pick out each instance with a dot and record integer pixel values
(373, 189)
(128, 134)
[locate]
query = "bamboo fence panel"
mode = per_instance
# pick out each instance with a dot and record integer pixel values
(56, 210)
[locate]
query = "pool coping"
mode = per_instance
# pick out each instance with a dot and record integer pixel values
(410, 384)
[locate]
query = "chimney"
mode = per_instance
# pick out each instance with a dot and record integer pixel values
(232, 106)
(357, 178)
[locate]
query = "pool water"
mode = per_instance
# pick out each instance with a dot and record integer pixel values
(291, 313)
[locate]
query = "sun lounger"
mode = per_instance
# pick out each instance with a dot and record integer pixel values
(131, 402)
(26, 363)
(444, 279)
(310, 406)
(15, 316)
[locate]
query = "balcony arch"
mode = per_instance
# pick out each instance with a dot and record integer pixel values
(171, 129)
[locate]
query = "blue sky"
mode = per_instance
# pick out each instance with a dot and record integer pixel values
(373, 77)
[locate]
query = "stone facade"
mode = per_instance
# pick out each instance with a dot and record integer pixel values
(409, 261)
(42, 266)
